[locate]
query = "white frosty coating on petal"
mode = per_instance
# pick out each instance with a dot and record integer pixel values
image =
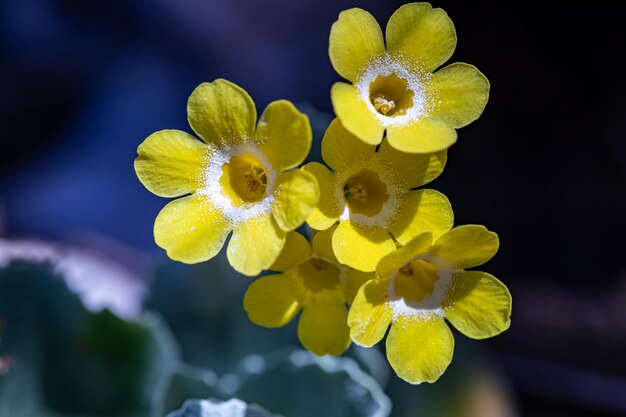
(417, 81)
(431, 305)
(388, 175)
(214, 193)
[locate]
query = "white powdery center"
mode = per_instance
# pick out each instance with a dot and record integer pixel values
(215, 194)
(394, 184)
(417, 81)
(431, 305)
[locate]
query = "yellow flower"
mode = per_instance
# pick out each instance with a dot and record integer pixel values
(238, 178)
(420, 284)
(394, 88)
(312, 281)
(372, 194)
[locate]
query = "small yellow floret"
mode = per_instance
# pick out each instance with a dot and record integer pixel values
(312, 281)
(240, 178)
(395, 89)
(418, 287)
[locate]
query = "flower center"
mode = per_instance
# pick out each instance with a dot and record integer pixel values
(416, 280)
(319, 275)
(394, 90)
(365, 193)
(244, 179)
(390, 95)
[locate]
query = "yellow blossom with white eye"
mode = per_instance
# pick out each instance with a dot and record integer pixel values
(395, 88)
(312, 280)
(238, 178)
(372, 194)
(420, 285)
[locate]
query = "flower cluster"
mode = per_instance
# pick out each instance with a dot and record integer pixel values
(384, 256)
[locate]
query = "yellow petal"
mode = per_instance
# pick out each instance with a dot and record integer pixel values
(466, 246)
(271, 301)
(416, 169)
(285, 134)
(479, 305)
(296, 195)
(327, 212)
(170, 163)
(422, 211)
(395, 260)
(370, 315)
(354, 114)
(296, 251)
(425, 35)
(341, 148)
(354, 280)
(320, 282)
(426, 135)
(190, 230)
(459, 94)
(361, 248)
(221, 113)
(323, 329)
(255, 245)
(322, 244)
(355, 38)
(419, 349)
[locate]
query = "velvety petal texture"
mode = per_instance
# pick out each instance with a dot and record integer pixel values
(221, 113)
(255, 245)
(422, 211)
(370, 314)
(322, 328)
(354, 280)
(479, 305)
(354, 114)
(327, 212)
(395, 260)
(341, 148)
(190, 230)
(361, 248)
(322, 243)
(355, 38)
(170, 163)
(296, 195)
(285, 135)
(460, 93)
(416, 169)
(424, 35)
(426, 135)
(466, 246)
(419, 349)
(271, 301)
(295, 251)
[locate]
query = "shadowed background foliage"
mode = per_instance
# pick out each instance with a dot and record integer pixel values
(84, 82)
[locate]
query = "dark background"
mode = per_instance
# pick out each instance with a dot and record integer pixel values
(84, 82)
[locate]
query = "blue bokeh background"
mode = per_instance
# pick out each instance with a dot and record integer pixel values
(84, 82)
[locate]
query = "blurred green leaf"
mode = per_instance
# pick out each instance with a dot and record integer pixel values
(297, 383)
(74, 361)
(184, 383)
